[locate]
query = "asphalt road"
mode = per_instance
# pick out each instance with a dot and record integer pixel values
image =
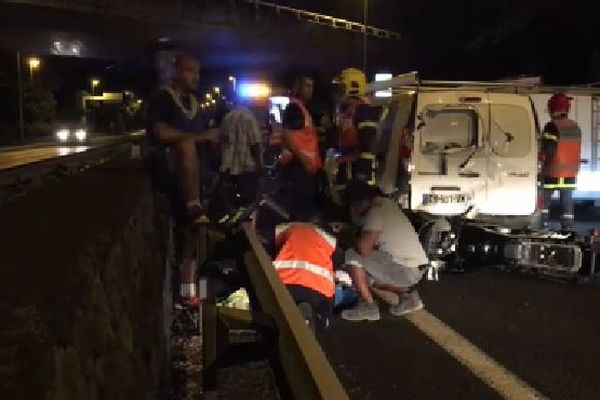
(11, 157)
(544, 335)
(17, 158)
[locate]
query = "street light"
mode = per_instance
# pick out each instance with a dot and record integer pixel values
(217, 89)
(34, 64)
(232, 80)
(95, 82)
(208, 96)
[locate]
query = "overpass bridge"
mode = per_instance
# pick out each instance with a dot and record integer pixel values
(232, 35)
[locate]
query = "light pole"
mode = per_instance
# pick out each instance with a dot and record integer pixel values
(20, 90)
(34, 64)
(233, 81)
(95, 82)
(365, 17)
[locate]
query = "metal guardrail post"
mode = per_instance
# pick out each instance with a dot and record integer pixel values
(209, 351)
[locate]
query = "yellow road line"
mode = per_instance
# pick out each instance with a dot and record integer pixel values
(504, 382)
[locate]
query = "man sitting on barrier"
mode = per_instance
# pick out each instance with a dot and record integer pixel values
(175, 126)
(388, 255)
(304, 264)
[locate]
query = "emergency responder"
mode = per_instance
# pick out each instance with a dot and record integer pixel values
(305, 266)
(357, 130)
(175, 124)
(561, 154)
(301, 159)
(387, 255)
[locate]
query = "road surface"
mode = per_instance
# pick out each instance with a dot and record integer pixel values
(485, 334)
(13, 157)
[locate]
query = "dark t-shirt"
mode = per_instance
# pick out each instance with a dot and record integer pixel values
(163, 108)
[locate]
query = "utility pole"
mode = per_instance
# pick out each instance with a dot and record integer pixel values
(365, 18)
(20, 96)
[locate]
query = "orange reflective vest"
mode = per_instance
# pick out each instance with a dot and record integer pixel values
(305, 139)
(567, 157)
(305, 258)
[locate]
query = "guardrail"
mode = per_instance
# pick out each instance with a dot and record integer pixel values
(17, 181)
(285, 337)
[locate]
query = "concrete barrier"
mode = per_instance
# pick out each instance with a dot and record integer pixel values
(82, 289)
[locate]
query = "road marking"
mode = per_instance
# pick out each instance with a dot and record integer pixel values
(507, 384)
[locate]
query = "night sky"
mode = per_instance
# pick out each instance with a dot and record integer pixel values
(461, 39)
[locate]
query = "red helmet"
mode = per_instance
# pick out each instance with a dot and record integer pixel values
(559, 103)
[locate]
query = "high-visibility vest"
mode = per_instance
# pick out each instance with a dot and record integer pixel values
(305, 258)
(305, 139)
(358, 131)
(567, 157)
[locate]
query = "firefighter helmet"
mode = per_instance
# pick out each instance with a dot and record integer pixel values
(559, 103)
(352, 82)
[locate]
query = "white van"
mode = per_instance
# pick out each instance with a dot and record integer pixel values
(475, 145)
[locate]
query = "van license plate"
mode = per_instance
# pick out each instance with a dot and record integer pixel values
(455, 198)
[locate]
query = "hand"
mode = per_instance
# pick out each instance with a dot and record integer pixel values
(211, 135)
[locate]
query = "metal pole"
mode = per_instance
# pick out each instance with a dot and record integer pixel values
(20, 95)
(31, 75)
(365, 18)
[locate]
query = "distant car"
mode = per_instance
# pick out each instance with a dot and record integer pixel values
(70, 132)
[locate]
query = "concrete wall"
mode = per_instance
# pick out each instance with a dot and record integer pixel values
(82, 294)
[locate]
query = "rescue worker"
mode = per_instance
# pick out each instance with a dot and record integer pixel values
(357, 130)
(301, 157)
(561, 154)
(305, 266)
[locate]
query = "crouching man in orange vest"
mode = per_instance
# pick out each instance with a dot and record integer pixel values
(304, 264)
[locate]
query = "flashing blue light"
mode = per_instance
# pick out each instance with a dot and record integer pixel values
(253, 90)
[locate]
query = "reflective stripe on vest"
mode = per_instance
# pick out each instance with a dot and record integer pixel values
(367, 124)
(560, 184)
(566, 160)
(306, 266)
(305, 257)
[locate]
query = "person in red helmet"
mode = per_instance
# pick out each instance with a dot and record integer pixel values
(561, 155)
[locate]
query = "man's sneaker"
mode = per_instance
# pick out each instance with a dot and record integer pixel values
(362, 311)
(307, 312)
(409, 302)
(388, 297)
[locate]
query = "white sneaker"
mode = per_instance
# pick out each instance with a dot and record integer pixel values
(408, 303)
(362, 311)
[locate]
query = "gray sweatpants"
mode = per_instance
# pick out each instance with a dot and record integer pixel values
(380, 266)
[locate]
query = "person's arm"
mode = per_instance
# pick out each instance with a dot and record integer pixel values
(367, 242)
(255, 143)
(549, 141)
(374, 225)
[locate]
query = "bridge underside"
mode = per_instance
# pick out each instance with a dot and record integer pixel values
(223, 34)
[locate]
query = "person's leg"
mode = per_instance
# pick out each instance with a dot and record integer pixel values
(187, 169)
(567, 217)
(188, 266)
(366, 308)
(546, 207)
(360, 280)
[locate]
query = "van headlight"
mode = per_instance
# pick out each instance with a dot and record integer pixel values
(81, 134)
(62, 135)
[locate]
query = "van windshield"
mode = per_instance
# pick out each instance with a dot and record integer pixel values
(446, 130)
(511, 131)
